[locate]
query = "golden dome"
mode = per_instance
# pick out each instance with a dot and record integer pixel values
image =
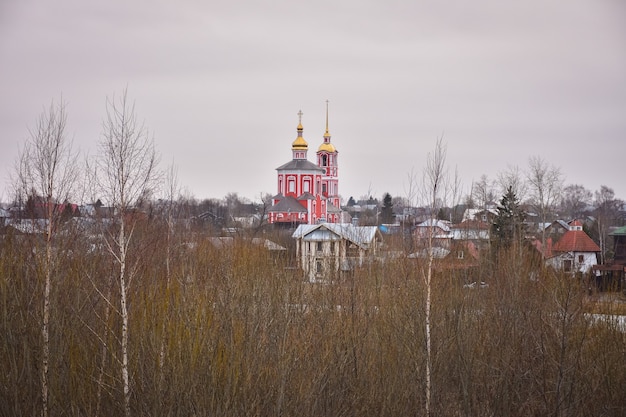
(327, 147)
(299, 143)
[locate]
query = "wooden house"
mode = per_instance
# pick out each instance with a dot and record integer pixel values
(613, 273)
(328, 248)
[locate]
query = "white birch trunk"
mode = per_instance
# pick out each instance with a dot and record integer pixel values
(45, 331)
(429, 274)
(126, 172)
(124, 314)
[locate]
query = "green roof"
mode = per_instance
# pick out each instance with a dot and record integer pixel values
(619, 231)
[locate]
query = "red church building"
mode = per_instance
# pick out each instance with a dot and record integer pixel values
(308, 193)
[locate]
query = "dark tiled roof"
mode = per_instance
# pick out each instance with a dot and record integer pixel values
(288, 205)
(306, 196)
(300, 165)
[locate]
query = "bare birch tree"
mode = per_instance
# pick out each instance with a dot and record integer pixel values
(545, 185)
(172, 190)
(575, 200)
(46, 172)
(513, 177)
(126, 171)
(434, 192)
(483, 192)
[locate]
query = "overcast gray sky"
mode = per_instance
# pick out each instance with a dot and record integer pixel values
(219, 84)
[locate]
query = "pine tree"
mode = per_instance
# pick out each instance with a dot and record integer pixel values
(387, 209)
(508, 225)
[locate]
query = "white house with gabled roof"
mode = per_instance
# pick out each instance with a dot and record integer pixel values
(574, 252)
(326, 248)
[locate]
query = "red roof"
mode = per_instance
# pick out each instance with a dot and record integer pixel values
(575, 241)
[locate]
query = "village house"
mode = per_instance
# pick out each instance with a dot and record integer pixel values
(461, 259)
(433, 232)
(476, 231)
(613, 273)
(574, 253)
(484, 215)
(556, 229)
(330, 248)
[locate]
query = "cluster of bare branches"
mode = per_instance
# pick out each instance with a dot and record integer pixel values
(140, 315)
(236, 332)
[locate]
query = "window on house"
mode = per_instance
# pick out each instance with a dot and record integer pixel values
(581, 259)
(332, 247)
(460, 254)
(319, 246)
(567, 265)
(318, 266)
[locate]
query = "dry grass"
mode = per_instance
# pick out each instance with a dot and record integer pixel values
(237, 333)
(612, 303)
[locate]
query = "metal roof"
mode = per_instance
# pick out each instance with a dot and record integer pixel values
(619, 231)
(362, 236)
(300, 165)
(288, 205)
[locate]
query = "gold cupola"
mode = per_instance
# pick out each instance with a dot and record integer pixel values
(300, 144)
(326, 146)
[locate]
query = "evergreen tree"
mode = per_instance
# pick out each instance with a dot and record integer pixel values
(387, 209)
(508, 225)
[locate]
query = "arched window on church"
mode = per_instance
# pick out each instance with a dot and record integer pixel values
(324, 160)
